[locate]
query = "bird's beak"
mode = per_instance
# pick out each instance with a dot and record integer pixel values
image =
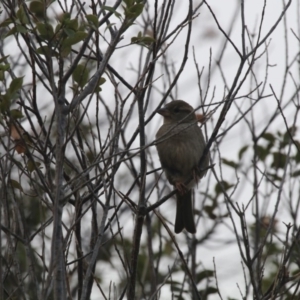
(164, 112)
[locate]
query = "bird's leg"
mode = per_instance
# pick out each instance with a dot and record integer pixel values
(196, 175)
(181, 187)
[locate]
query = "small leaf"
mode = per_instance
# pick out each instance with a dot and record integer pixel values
(222, 185)
(297, 156)
(262, 152)
(31, 165)
(45, 29)
(101, 81)
(279, 160)
(15, 114)
(208, 290)
(81, 75)
(69, 32)
(11, 31)
(65, 51)
(21, 29)
(15, 85)
(76, 38)
(209, 210)
(63, 18)
(5, 102)
(274, 176)
(38, 9)
(129, 2)
(93, 20)
(4, 67)
(269, 137)
(45, 50)
(137, 9)
(16, 185)
(296, 173)
(142, 40)
(204, 275)
(22, 16)
(3, 58)
(6, 22)
(72, 24)
(133, 11)
(111, 25)
(242, 151)
(112, 10)
(230, 163)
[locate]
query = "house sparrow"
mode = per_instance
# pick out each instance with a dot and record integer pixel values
(180, 145)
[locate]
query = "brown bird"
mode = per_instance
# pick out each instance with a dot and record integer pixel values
(180, 145)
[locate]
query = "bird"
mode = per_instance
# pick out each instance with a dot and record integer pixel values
(180, 144)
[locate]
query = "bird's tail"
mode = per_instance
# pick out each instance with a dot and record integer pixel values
(184, 213)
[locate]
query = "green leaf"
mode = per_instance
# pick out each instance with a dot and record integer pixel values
(76, 38)
(101, 81)
(296, 173)
(208, 290)
(72, 24)
(279, 160)
(293, 130)
(31, 165)
(204, 275)
(274, 176)
(133, 11)
(269, 137)
(5, 102)
(15, 85)
(297, 156)
(112, 10)
(109, 26)
(242, 151)
(21, 29)
(93, 20)
(46, 50)
(69, 32)
(210, 211)
(137, 9)
(3, 58)
(38, 9)
(230, 163)
(45, 29)
(262, 152)
(15, 114)
(142, 40)
(129, 2)
(222, 185)
(12, 31)
(22, 16)
(65, 51)
(16, 185)
(6, 22)
(81, 75)
(4, 67)
(65, 17)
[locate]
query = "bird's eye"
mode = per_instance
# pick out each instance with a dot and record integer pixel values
(176, 110)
